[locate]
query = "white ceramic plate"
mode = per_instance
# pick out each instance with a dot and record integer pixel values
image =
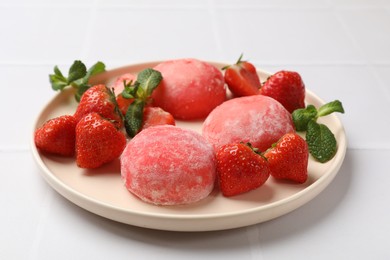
(102, 191)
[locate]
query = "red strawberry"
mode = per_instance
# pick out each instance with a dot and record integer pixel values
(156, 116)
(123, 103)
(286, 87)
(240, 169)
(242, 78)
(288, 158)
(57, 136)
(121, 81)
(101, 100)
(98, 141)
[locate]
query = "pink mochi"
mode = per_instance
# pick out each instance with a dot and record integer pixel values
(168, 165)
(258, 119)
(190, 88)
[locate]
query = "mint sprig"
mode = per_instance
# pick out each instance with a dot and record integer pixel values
(149, 80)
(302, 116)
(78, 77)
(134, 117)
(331, 107)
(320, 139)
(141, 90)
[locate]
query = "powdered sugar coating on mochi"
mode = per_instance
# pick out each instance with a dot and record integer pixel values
(190, 88)
(168, 165)
(257, 119)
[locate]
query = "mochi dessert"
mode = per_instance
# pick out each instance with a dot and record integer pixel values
(190, 88)
(168, 165)
(257, 119)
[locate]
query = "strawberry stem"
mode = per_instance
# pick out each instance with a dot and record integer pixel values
(239, 59)
(111, 93)
(254, 149)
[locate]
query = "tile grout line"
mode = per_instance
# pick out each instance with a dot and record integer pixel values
(237, 6)
(14, 149)
(369, 64)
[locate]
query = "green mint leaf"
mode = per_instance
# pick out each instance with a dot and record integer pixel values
(97, 68)
(58, 73)
(302, 116)
(76, 71)
(80, 91)
(149, 80)
(57, 82)
(328, 108)
(141, 93)
(127, 95)
(321, 141)
(134, 117)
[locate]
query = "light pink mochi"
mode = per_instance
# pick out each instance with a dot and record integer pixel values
(258, 119)
(168, 165)
(190, 88)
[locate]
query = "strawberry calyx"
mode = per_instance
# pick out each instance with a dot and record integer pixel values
(112, 98)
(254, 149)
(257, 151)
(238, 63)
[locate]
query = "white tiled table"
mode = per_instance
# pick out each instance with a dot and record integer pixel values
(341, 49)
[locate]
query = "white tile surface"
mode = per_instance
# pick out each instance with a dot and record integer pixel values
(286, 35)
(370, 31)
(24, 201)
(44, 34)
(29, 85)
(339, 47)
(161, 33)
